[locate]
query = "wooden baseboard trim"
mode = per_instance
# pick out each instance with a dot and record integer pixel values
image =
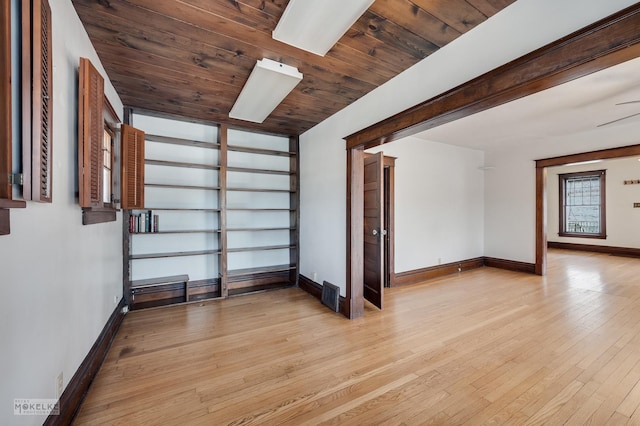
(77, 388)
(431, 272)
(617, 251)
(510, 265)
(315, 289)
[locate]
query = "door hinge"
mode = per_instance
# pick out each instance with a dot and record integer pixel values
(16, 179)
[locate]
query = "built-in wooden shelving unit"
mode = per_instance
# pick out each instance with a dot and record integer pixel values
(227, 207)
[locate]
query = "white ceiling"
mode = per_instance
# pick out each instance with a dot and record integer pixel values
(558, 121)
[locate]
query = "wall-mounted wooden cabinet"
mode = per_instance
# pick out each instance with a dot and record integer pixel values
(220, 215)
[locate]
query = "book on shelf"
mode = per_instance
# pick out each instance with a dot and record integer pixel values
(143, 222)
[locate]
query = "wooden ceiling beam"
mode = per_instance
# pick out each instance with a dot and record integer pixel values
(608, 42)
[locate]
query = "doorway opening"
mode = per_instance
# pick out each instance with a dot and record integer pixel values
(541, 191)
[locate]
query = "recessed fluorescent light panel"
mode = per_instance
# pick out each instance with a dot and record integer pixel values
(317, 25)
(269, 83)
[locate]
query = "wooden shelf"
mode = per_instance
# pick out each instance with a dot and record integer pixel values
(160, 281)
(253, 209)
(178, 209)
(180, 164)
(166, 185)
(178, 141)
(260, 248)
(260, 190)
(191, 231)
(259, 171)
(263, 151)
(173, 254)
(292, 228)
(260, 270)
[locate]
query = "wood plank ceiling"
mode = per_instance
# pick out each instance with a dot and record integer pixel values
(191, 58)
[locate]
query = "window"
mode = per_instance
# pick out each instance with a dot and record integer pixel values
(582, 204)
(107, 166)
(97, 144)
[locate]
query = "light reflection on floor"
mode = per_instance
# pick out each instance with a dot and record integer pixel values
(585, 279)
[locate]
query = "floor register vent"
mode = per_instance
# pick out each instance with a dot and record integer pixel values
(331, 296)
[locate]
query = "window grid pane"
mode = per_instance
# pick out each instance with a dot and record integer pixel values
(106, 171)
(582, 204)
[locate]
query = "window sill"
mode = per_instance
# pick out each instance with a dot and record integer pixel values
(12, 204)
(93, 215)
(574, 235)
(5, 218)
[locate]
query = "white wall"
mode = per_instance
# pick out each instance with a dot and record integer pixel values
(517, 30)
(439, 203)
(59, 278)
(623, 221)
(510, 201)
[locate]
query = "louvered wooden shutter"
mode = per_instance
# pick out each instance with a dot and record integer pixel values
(42, 104)
(5, 102)
(90, 133)
(132, 168)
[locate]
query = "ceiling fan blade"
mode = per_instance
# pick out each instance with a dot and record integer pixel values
(629, 102)
(619, 119)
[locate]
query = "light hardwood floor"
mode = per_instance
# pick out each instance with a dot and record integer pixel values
(483, 347)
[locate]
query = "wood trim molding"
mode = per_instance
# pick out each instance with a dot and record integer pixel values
(315, 289)
(431, 272)
(617, 251)
(419, 275)
(355, 232)
(541, 221)
(223, 133)
(603, 154)
(608, 42)
(601, 175)
(510, 265)
(76, 390)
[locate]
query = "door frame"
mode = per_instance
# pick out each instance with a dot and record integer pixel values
(541, 191)
(598, 46)
(389, 220)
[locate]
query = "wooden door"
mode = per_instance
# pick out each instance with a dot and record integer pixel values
(373, 228)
